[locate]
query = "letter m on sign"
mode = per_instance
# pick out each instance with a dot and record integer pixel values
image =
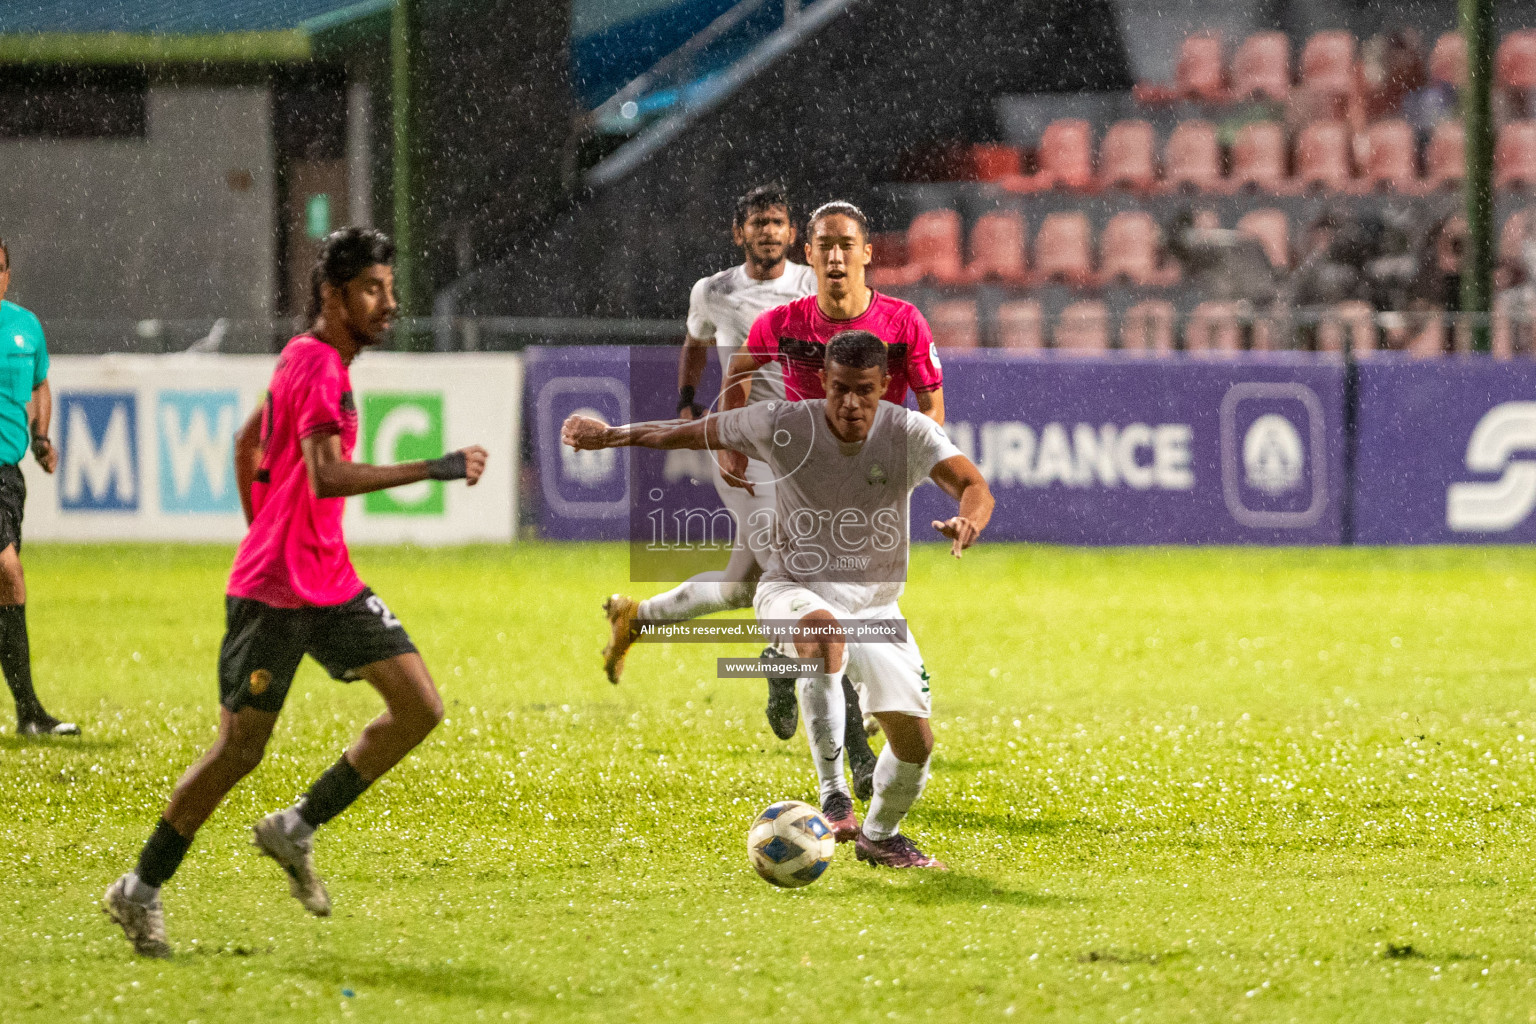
(99, 459)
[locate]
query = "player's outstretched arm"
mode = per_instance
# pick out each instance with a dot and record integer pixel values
(961, 480)
(333, 476)
(585, 433)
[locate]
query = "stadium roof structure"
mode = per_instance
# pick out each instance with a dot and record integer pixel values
(182, 31)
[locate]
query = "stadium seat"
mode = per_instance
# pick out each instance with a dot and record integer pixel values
(1128, 156)
(955, 324)
(1351, 321)
(933, 252)
(1064, 249)
(1213, 327)
(1273, 230)
(1328, 62)
(1515, 62)
(1192, 158)
(1514, 156)
(1083, 327)
(994, 162)
(1065, 158)
(1259, 157)
(1198, 75)
(1147, 327)
(997, 248)
(1322, 156)
(1020, 326)
(1448, 60)
(1128, 249)
(1262, 67)
(889, 249)
(1391, 157)
(1445, 158)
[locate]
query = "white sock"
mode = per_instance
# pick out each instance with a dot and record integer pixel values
(898, 784)
(138, 892)
(695, 597)
(294, 826)
(825, 714)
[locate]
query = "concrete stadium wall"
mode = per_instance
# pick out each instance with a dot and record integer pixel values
(122, 229)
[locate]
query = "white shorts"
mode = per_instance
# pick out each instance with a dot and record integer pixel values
(754, 513)
(887, 676)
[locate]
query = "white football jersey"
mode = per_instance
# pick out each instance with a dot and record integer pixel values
(723, 307)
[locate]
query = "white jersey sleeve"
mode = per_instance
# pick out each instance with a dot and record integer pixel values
(701, 322)
(748, 430)
(927, 446)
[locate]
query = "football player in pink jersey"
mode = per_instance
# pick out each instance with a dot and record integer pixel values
(293, 591)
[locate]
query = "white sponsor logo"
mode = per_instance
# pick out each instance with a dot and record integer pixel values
(1140, 455)
(588, 468)
(1505, 503)
(1273, 458)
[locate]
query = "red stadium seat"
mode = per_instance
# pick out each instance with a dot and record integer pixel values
(1262, 67)
(1328, 62)
(1128, 249)
(993, 162)
(1066, 155)
(1198, 75)
(1273, 230)
(1128, 156)
(1514, 157)
(888, 249)
(1322, 156)
(1515, 63)
(997, 248)
(1259, 157)
(1083, 327)
(1213, 327)
(1192, 158)
(933, 252)
(1391, 157)
(1445, 158)
(1020, 326)
(1354, 322)
(1148, 327)
(955, 324)
(1448, 60)
(1064, 249)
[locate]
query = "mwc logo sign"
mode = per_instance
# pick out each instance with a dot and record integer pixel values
(99, 456)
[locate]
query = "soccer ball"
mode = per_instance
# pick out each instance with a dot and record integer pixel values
(790, 844)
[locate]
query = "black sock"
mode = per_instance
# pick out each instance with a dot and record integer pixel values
(332, 793)
(162, 855)
(16, 661)
(855, 741)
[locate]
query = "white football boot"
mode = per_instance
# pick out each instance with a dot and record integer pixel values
(297, 858)
(142, 923)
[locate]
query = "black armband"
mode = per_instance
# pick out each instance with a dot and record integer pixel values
(685, 400)
(452, 466)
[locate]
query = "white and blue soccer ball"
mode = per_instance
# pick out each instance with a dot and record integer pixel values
(790, 844)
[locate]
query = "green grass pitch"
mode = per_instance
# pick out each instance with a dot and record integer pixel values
(1172, 785)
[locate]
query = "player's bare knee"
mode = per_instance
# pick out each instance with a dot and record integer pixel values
(240, 754)
(819, 638)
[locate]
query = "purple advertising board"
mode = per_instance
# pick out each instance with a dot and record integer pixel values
(1445, 452)
(1077, 451)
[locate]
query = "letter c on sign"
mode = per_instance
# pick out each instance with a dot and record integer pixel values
(403, 421)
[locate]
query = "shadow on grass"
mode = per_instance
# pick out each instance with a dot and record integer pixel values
(64, 744)
(442, 979)
(941, 888)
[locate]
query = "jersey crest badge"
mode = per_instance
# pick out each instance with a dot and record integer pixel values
(876, 475)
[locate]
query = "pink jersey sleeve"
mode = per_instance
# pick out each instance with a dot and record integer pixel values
(317, 403)
(763, 339)
(924, 371)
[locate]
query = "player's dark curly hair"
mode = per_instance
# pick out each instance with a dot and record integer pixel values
(6, 253)
(343, 255)
(763, 197)
(856, 349)
(839, 208)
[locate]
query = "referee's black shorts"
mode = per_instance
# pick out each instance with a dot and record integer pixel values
(13, 496)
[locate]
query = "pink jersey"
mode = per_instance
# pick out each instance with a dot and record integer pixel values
(796, 334)
(294, 554)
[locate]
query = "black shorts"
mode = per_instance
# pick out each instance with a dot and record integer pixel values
(13, 496)
(263, 646)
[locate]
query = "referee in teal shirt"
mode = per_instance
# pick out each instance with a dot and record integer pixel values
(26, 406)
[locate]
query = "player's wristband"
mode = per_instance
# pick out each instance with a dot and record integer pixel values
(41, 446)
(685, 400)
(453, 466)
